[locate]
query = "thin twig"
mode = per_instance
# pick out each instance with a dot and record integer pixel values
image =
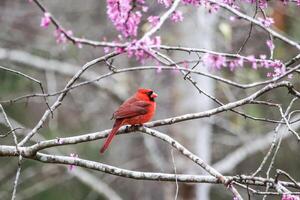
(175, 172)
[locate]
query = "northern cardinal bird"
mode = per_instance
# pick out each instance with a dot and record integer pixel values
(136, 110)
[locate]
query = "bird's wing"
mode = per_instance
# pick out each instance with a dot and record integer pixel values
(132, 109)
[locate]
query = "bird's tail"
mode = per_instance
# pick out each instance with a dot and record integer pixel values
(117, 125)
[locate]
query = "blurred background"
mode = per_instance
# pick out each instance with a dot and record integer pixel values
(232, 144)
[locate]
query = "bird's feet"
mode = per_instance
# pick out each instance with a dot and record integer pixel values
(127, 129)
(136, 126)
(132, 127)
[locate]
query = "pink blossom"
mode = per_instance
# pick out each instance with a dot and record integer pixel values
(212, 8)
(285, 2)
(106, 49)
(192, 2)
(156, 41)
(252, 60)
(140, 48)
(229, 2)
(124, 18)
(263, 4)
(214, 61)
(145, 8)
(153, 20)
(120, 49)
(177, 16)
(71, 167)
(290, 197)
(270, 44)
(267, 22)
(233, 64)
(158, 69)
(166, 3)
(232, 18)
(278, 68)
(60, 36)
(46, 20)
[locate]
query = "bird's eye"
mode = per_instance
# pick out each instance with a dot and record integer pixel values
(149, 93)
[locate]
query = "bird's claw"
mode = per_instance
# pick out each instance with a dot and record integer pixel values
(127, 129)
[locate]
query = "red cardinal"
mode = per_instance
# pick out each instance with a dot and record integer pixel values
(136, 110)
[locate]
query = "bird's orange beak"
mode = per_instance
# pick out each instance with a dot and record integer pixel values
(154, 95)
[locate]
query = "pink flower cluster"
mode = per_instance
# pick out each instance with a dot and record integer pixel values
(229, 2)
(290, 197)
(123, 17)
(277, 66)
(214, 61)
(46, 20)
(140, 49)
(177, 16)
(153, 20)
(217, 62)
(267, 22)
(270, 45)
(166, 3)
(193, 2)
(60, 36)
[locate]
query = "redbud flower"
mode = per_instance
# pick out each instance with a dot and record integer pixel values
(212, 8)
(145, 8)
(270, 44)
(266, 22)
(177, 16)
(228, 2)
(167, 3)
(214, 61)
(158, 69)
(252, 60)
(192, 2)
(153, 20)
(60, 36)
(233, 64)
(290, 197)
(123, 17)
(46, 20)
(106, 49)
